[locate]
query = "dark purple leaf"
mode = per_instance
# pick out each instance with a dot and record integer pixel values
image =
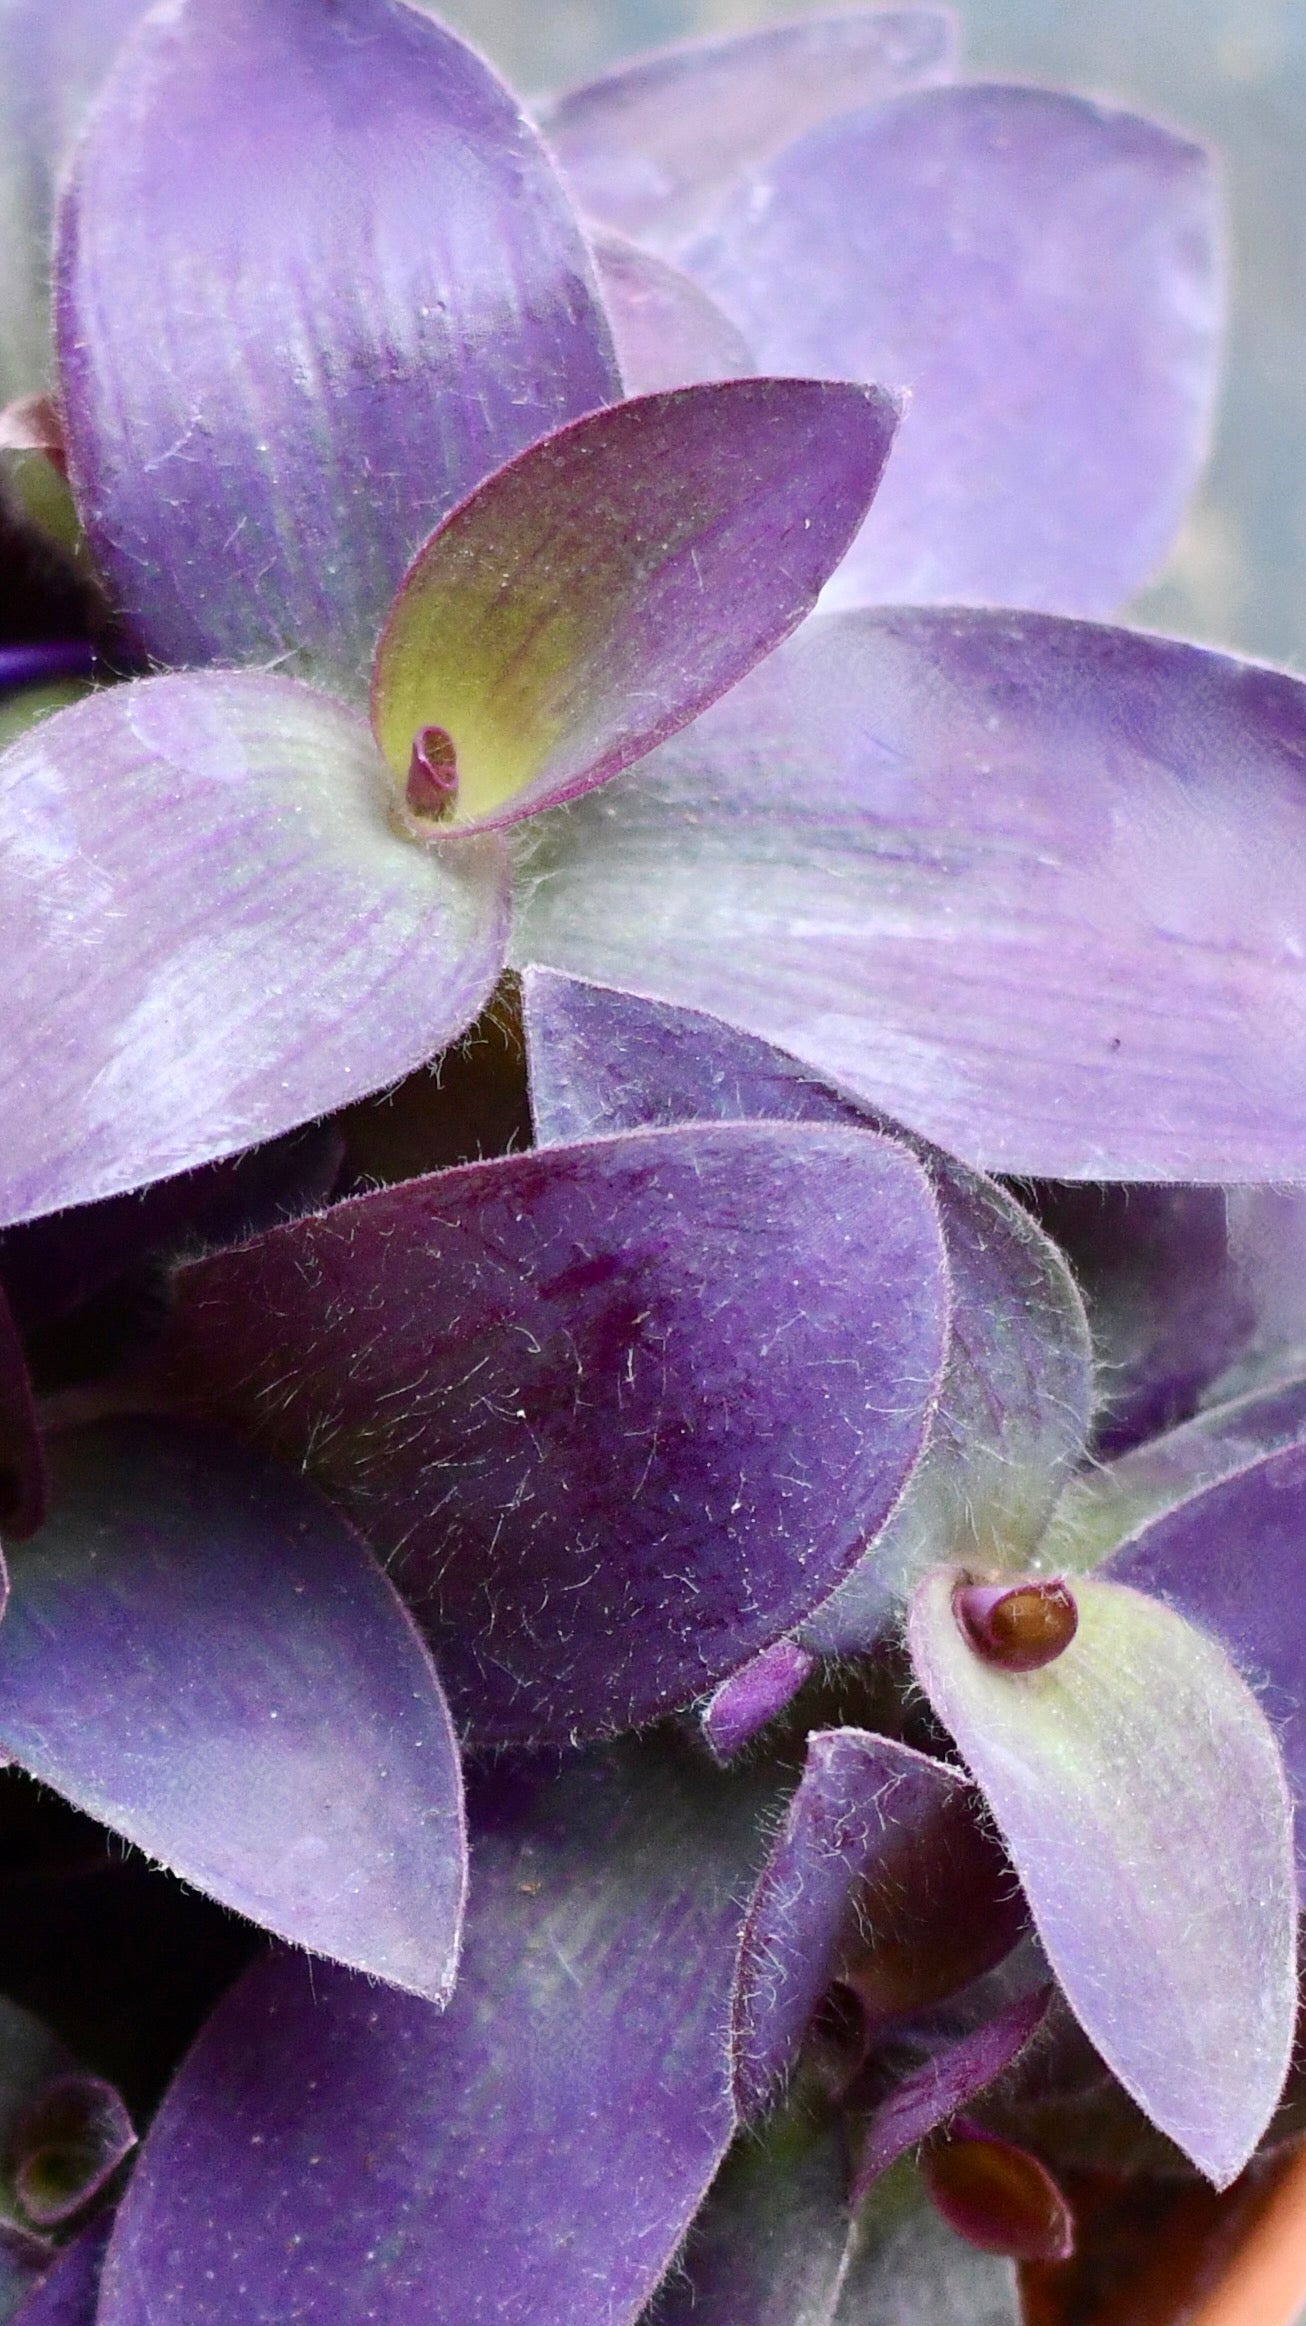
(24, 1487)
(532, 2157)
(655, 146)
(52, 61)
(1014, 1410)
(1232, 1558)
(66, 2295)
(772, 2243)
(316, 277)
(754, 1694)
(999, 2198)
(254, 944)
(1140, 1792)
(66, 2148)
(201, 1654)
(948, 2079)
(1045, 276)
(666, 330)
(908, 2267)
(1033, 887)
(556, 627)
(615, 1416)
(882, 1875)
(37, 664)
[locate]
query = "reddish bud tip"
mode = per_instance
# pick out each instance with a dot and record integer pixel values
(432, 788)
(1018, 1626)
(999, 2198)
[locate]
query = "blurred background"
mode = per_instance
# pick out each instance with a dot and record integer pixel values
(1231, 71)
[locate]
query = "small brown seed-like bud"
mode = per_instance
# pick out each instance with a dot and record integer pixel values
(1018, 1626)
(432, 788)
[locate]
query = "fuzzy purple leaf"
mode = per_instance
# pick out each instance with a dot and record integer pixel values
(67, 2294)
(537, 2150)
(947, 2080)
(655, 146)
(1044, 276)
(666, 330)
(214, 931)
(1139, 1790)
(1035, 888)
(1014, 1410)
(883, 1874)
(316, 277)
(201, 1654)
(752, 1695)
(556, 627)
(616, 1416)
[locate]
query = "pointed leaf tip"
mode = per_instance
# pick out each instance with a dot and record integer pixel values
(1141, 1794)
(607, 585)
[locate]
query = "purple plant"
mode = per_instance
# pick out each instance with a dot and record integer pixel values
(761, 1759)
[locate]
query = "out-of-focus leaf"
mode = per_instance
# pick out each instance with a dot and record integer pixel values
(200, 1653)
(1014, 1410)
(271, 398)
(615, 1415)
(1232, 1558)
(603, 588)
(666, 330)
(214, 933)
(658, 144)
(882, 1873)
(1033, 887)
(1045, 276)
(66, 2148)
(909, 2266)
(1140, 1792)
(534, 2155)
(772, 2243)
(41, 665)
(24, 1487)
(67, 2294)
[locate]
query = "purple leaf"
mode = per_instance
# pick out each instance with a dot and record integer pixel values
(271, 401)
(655, 146)
(1033, 887)
(909, 2267)
(666, 330)
(751, 1696)
(52, 61)
(999, 2198)
(615, 1416)
(67, 2147)
(1016, 1400)
(883, 1875)
(947, 2080)
(37, 664)
(66, 2295)
(1140, 1792)
(1232, 1559)
(533, 2155)
(254, 944)
(201, 1654)
(603, 588)
(771, 2245)
(1045, 277)
(24, 1486)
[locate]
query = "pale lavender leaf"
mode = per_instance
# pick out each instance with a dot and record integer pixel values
(908, 2266)
(1140, 1792)
(202, 1655)
(1232, 1559)
(655, 146)
(614, 1415)
(270, 402)
(1014, 1411)
(537, 2150)
(882, 1874)
(52, 62)
(666, 331)
(254, 945)
(947, 2080)
(1035, 888)
(555, 628)
(746, 1699)
(771, 2245)
(1045, 276)
(67, 2294)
